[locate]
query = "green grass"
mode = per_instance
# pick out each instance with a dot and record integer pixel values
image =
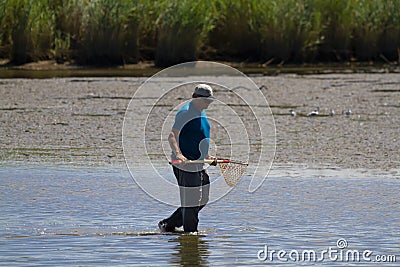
(107, 32)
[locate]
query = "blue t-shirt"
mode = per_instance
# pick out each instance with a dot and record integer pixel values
(194, 136)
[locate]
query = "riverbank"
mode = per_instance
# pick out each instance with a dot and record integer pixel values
(51, 69)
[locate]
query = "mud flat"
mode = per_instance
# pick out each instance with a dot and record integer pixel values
(79, 120)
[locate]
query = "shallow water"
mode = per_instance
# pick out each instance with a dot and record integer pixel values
(93, 216)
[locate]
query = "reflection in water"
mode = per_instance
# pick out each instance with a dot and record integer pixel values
(190, 250)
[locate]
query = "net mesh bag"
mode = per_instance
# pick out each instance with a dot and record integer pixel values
(232, 172)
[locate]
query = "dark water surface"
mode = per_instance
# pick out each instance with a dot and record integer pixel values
(96, 216)
(247, 68)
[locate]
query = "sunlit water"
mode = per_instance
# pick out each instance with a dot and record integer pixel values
(94, 216)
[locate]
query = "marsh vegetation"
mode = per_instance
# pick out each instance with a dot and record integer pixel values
(107, 32)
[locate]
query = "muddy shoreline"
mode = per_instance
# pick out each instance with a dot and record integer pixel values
(51, 69)
(79, 120)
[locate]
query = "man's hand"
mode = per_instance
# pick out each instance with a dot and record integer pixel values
(214, 163)
(180, 157)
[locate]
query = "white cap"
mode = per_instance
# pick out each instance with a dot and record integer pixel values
(203, 90)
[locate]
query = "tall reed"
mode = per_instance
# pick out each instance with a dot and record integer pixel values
(41, 31)
(236, 31)
(389, 40)
(289, 33)
(4, 30)
(173, 31)
(68, 16)
(29, 28)
(338, 21)
(181, 26)
(377, 28)
(109, 31)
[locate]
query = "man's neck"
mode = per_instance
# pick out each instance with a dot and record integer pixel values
(196, 106)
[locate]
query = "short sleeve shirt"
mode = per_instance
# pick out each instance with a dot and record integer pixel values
(194, 136)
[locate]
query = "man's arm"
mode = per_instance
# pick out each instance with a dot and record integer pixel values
(173, 143)
(212, 157)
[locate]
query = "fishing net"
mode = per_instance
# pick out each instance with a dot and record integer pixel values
(232, 171)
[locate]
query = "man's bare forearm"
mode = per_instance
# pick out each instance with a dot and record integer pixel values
(173, 143)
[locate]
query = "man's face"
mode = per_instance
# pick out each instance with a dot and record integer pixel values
(203, 102)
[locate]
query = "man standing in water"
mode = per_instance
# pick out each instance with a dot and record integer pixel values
(190, 140)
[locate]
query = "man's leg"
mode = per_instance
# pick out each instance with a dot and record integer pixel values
(194, 192)
(175, 220)
(190, 217)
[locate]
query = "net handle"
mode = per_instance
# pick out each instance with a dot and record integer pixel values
(209, 161)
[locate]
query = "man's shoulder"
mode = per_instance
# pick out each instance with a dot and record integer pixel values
(182, 116)
(185, 109)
